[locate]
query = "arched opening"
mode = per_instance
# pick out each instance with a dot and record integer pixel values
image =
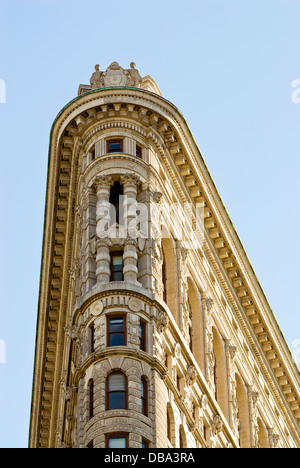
(263, 437)
(169, 277)
(171, 434)
(243, 413)
(220, 372)
(182, 438)
(196, 324)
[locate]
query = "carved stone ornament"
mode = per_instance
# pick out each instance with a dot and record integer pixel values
(177, 351)
(255, 397)
(276, 440)
(115, 75)
(217, 425)
(162, 322)
(96, 308)
(135, 304)
(191, 376)
(204, 402)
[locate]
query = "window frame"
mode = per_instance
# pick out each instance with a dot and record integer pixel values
(144, 399)
(107, 392)
(92, 338)
(139, 150)
(143, 336)
(91, 395)
(116, 253)
(146, 443)
(114, 140)
(114, 435)
(109, 333)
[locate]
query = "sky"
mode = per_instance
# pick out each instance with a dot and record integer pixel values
(228, 65)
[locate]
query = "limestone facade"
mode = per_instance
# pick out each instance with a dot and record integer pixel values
(198, 351)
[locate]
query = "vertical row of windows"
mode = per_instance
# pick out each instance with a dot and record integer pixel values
(117, 394)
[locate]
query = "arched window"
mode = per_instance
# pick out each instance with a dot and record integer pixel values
(263, 438)
(196, 333)
(243, 413)
(169, 277)
(220, 372)
(91, 399)
(144, 396)
(182, 438)
(171, 433)
(116, 391)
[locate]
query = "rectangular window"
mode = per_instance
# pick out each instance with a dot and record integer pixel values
(116, 441)
(145, 444)
(116, 266)
(116, 328)
(142, 336)
(92, 339)
(138, 152)
(144, 397)
(115, 146)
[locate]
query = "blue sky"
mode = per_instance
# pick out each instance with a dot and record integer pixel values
(228, 65)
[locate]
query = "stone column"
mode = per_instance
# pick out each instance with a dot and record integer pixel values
(130, 184)
(103, 185)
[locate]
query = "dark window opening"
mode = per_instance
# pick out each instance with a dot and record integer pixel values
(115, 146)
(92, 338)
(139, 152)
(145, 444)
(142, 336)
(144, 396)
(116, 200)
(91, 399)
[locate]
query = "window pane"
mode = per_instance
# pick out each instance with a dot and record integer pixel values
(116, 324)
(117, 262)
(117, 400)
(117, 339)
(117, 276)
(117, 383)
(117, 442)
(143, 388)
(114, 147)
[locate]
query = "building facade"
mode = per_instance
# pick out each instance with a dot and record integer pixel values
(153, 330)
